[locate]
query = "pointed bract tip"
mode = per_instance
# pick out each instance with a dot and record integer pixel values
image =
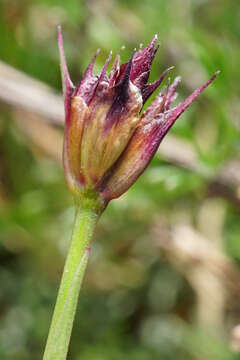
(66, 81)
(217, 73)
(108, 59)
(171, 92)
(153, 41)
(60, 38)
(60, 42)
(104, 70)
(89, 70)
(168, 69)
(209, 81)
(178, 79)
(126, 74)
(150, 88)
(178, 110)
(150, 45)
(59, 29)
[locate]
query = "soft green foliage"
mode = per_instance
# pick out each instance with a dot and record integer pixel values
(137, 302)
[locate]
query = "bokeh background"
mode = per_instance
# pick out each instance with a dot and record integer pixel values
(163, 281)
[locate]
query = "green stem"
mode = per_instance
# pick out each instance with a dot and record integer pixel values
(62, 322)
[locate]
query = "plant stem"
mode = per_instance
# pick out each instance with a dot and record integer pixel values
(62, 322)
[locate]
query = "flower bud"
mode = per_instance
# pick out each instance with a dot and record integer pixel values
(108, 140)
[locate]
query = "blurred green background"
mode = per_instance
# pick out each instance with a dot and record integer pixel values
(163, 278)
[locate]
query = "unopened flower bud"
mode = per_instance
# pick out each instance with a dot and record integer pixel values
(108, 140)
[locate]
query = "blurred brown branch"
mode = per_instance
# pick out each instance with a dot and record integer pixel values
(43, 104)
(19, 89)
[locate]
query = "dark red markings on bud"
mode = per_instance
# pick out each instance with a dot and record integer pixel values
(121, 97)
